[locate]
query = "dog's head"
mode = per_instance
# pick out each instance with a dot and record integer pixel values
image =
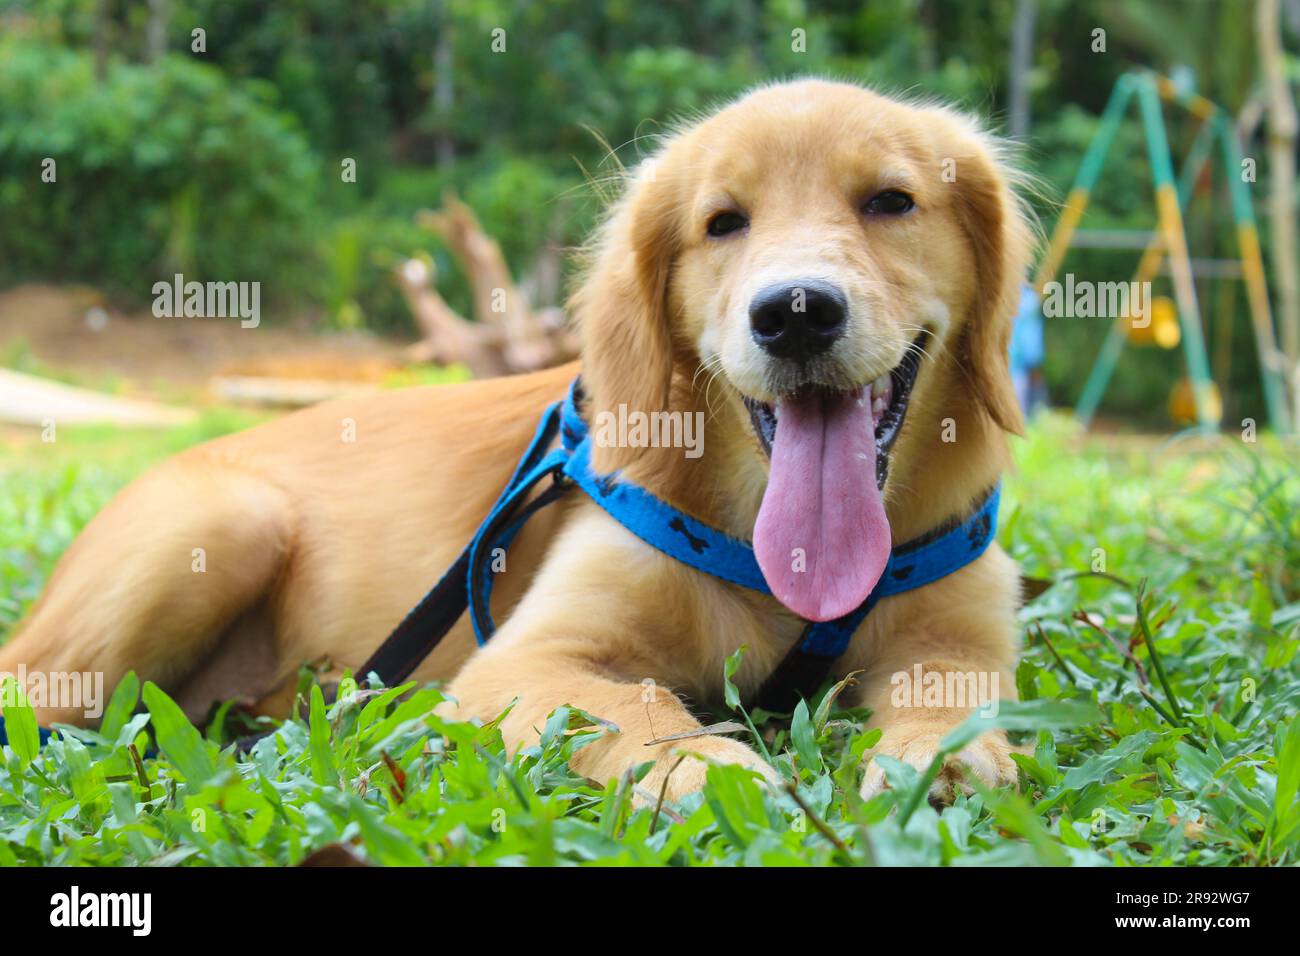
(815, 248)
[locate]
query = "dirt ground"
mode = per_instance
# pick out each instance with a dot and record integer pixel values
(73, 332)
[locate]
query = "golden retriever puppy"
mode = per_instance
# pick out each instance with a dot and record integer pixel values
(772, 267)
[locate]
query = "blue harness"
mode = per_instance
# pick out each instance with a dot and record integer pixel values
(467, 584)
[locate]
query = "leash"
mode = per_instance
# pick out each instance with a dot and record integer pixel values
(467, 584)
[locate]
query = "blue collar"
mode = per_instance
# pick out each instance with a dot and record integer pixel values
(911, 565)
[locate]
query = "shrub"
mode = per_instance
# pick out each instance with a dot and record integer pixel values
(162, 169)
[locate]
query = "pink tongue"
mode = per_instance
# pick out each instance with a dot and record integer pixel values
(822, 539)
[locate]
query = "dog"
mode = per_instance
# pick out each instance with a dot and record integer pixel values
(769, 267)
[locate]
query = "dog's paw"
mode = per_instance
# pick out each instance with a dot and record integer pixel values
(686, 764)
(988, 758)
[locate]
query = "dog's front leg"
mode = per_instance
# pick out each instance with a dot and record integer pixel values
(942, 657)
(539, 673)
(914, 730)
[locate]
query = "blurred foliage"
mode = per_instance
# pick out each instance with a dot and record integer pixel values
(158, 170)
(227, 162)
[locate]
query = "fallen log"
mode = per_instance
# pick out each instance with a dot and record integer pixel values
(31, 400)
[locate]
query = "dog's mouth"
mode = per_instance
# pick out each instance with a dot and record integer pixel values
(888, 395)
(821, 538)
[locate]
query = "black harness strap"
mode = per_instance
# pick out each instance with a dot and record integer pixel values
(423, 628)
(798, 675)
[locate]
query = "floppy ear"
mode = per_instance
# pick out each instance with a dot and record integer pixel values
(622, 306)
(999, 231)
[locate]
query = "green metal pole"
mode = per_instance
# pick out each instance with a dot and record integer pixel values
(1104, 367)
(1089, 171)
(1252, 265)
(1095, 156)
(1171, 221)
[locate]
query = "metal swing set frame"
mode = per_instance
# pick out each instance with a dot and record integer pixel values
(1170, 239)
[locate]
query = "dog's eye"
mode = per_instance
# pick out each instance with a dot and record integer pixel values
(889, 203)
(726, 222)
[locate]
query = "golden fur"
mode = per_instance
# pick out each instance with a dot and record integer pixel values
(316, 546)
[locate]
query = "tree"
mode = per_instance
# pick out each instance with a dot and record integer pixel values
(1282, 125)
(1022, 61)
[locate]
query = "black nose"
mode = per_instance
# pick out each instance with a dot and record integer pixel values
(798, 320)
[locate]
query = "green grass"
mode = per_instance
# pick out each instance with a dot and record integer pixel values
(1159, 678)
